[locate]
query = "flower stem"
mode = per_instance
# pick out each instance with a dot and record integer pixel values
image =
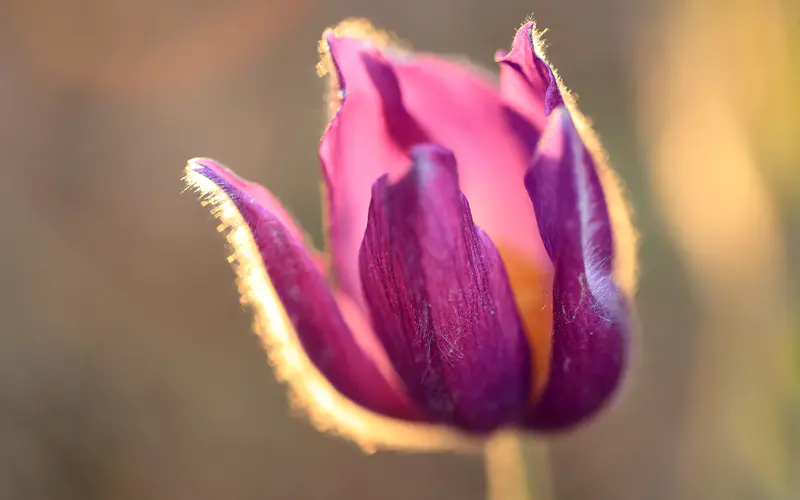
(517, 469)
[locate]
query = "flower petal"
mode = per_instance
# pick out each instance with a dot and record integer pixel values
(527, 83)
(393, 101)
(261, 196)
(590, 314)
(440, 299)
(356, 149)
(307, 300)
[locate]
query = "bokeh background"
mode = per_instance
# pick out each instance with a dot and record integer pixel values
(127, 369)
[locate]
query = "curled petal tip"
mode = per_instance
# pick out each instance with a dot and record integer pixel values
(527, 82)
(202, 162)
(360, 30)
(524, 34)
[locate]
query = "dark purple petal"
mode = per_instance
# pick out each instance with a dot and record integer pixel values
(528, 85)
(440, 299)
(590, 316)
(392, 102)
(308, 301)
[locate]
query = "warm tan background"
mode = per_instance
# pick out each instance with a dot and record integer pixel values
(126, 366)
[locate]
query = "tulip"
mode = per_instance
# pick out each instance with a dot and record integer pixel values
(479, 273)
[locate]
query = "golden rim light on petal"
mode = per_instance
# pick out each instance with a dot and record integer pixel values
(328, 410)
(626, 238)
(359, 29)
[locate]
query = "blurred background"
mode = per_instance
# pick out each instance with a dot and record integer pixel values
(127, 369)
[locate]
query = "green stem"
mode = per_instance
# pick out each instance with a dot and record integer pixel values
(517, 468)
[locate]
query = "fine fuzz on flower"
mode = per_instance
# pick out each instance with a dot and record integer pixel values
(483, 259)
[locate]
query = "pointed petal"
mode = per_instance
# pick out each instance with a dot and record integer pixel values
(532, 89)
(256, 192)
(392, 102)
(261, 196)
(440, 298)
(528, 84)
(590, 314)
(307, 300)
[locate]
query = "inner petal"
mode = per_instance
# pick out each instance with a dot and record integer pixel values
(440, 299)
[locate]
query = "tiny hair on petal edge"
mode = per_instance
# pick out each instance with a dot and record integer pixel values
(626, 237)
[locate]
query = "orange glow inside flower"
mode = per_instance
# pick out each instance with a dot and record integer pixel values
(532, 286)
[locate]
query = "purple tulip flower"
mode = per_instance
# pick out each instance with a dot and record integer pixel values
(474, 278)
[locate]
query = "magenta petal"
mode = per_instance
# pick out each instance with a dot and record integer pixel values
(527, 83)
(392, 102)
(440, 299)
(307, 299)
(590, 315)
(357, 148)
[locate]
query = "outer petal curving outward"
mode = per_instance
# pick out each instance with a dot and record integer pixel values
(590, 313)
(393, 101)
(306, 298)
(440, 298)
